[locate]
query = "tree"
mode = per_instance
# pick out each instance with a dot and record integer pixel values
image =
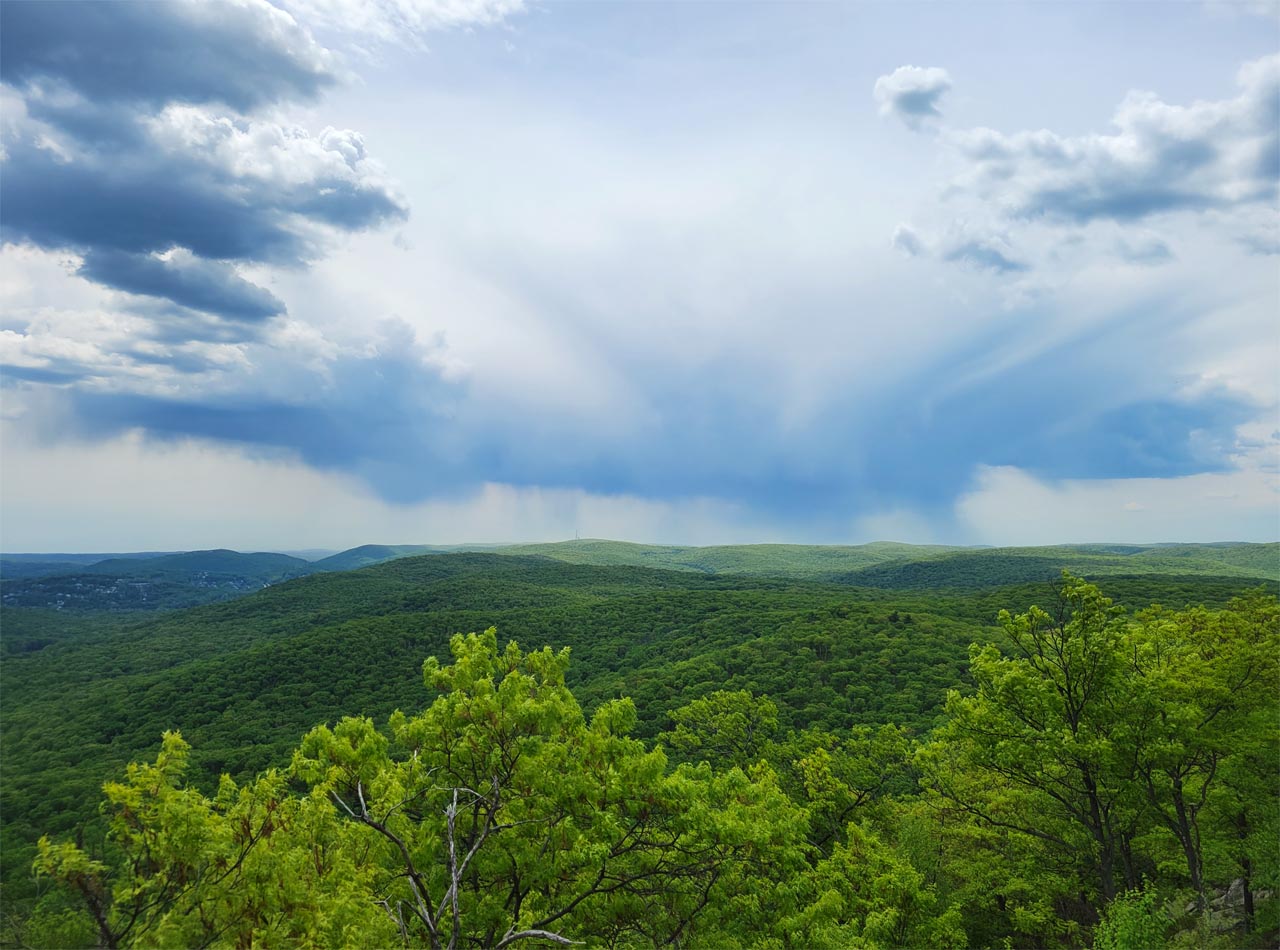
(1134, 921)
(1201, 698)
(726, 727)
(837, 776)
(506, 815)
(252, 866)
(865, 895)
(497, 815)
(1032, 748)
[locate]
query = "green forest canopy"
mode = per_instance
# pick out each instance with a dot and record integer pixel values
(787, 817)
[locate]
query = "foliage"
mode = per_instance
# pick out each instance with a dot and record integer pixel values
(874, 898)
(817, 792)
(1133, 921)
(726, 727)
(499, 814)
(164, 582)
(252, 866)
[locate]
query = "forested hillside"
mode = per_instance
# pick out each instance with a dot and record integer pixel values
(168, 581)
(173, 581)
(795, 560)
(841, 689)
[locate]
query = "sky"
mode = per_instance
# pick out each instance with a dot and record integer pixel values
(320, 273)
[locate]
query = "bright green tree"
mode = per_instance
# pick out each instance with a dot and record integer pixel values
(840, 776)
(504, 814)
(1032, 750)
(724, 728)
(1201, 702)
(866, 895)
(252, 866)
(500, 814)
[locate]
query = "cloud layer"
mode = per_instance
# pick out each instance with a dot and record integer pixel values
(684, 309)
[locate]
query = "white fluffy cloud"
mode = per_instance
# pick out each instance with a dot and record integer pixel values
(912, 93)
(1035, 203)
(1160, 158)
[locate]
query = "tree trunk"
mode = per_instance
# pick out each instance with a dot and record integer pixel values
(1187, 838)
(1247, 866)
(1106, 873)
(1106, 841)
(1126, 861)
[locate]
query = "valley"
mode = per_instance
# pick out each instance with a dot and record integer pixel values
(835, 641)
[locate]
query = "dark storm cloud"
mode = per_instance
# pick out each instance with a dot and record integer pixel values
(386, 419)
(121, 151)
(149, 200)
(242, 55)
(1078, 410)
(201, 285)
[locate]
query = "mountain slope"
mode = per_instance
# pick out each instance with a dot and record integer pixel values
(799, 560)
(994, 567)
(85, 693)
(167, 581)
(368, 554)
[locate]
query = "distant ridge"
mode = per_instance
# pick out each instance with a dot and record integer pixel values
(149, 583)
(368, 554)
(165, 581)
(894, 564)
(263, 564)
(763, 559)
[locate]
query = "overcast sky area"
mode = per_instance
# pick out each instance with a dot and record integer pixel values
(327, 272)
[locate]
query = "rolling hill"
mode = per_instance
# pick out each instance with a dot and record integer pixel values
(166, 581)
(793, 560)
(171, 581)
(86, 692)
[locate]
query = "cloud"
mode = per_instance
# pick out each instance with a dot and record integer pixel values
(907, 241)
(190, 494)
(132, 137)
(210, 286)
(912, 94)
(1009, 506)
(1076, 408)
(402, 21)
(895, 383)
(1028, 200)
(223, 189)
(1146, 249)
(1261, 235)
(242, 54)
(393, 415)
(383, 413)
(985, 254)
(1161, 158)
